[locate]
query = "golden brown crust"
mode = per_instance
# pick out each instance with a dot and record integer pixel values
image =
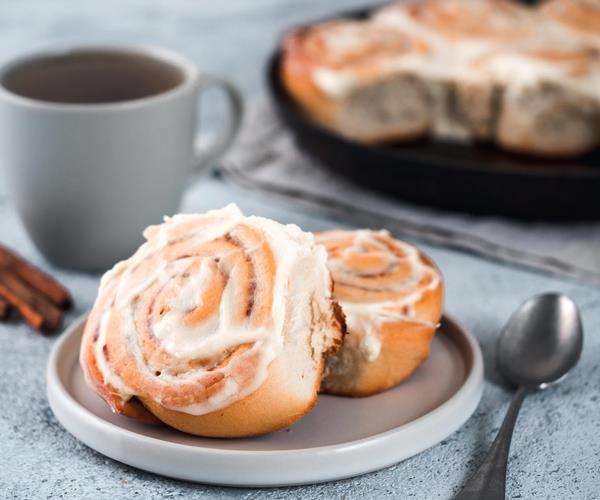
(339, 325)
(270, 408)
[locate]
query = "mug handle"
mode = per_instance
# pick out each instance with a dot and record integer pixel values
(207, 155)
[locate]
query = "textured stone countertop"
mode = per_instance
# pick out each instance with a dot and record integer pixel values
(556, 449)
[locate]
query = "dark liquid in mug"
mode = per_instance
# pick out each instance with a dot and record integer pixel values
(92, 77)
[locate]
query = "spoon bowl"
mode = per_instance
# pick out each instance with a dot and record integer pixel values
(541, 342)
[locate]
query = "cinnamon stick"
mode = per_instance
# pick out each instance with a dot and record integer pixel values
(34, 307)
(4, 308)
(35, 278)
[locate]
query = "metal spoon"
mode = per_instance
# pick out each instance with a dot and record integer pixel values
(540, 343)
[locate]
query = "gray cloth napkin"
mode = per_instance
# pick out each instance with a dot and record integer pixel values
(265, 158)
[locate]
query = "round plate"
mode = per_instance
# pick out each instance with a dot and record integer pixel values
(341, 437)
(479, 178)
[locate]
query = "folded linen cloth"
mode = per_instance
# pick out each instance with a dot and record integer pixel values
(265, 158)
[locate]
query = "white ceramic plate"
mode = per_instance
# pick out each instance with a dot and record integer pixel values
(341, 437)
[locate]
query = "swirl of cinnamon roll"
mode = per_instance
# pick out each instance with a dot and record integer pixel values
(217, 325)
(392, 297)
(463, 19)
(581, 16)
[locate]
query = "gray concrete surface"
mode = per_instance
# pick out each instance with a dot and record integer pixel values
(556, 450)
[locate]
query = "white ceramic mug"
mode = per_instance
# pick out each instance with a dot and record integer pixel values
(97, 142)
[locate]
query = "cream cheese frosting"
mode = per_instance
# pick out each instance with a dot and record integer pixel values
(193, 340)
(384, 301)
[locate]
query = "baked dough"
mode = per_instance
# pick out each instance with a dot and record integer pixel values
(392, 296)
(460, 70)
(216, 326)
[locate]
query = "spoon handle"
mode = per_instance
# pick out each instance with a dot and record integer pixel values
(489, 480)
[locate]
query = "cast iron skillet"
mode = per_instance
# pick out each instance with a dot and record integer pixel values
(479, 179)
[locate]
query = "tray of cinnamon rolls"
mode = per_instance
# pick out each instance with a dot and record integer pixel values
(474, 105)
(234, 349)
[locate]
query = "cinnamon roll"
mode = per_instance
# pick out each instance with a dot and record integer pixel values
(345, 75)
(392, 297)
(497, 71)
(216, 326)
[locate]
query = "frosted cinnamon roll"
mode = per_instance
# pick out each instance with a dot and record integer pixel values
(217, 326)
(392, 297)
(327, 67)
(467, 71)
